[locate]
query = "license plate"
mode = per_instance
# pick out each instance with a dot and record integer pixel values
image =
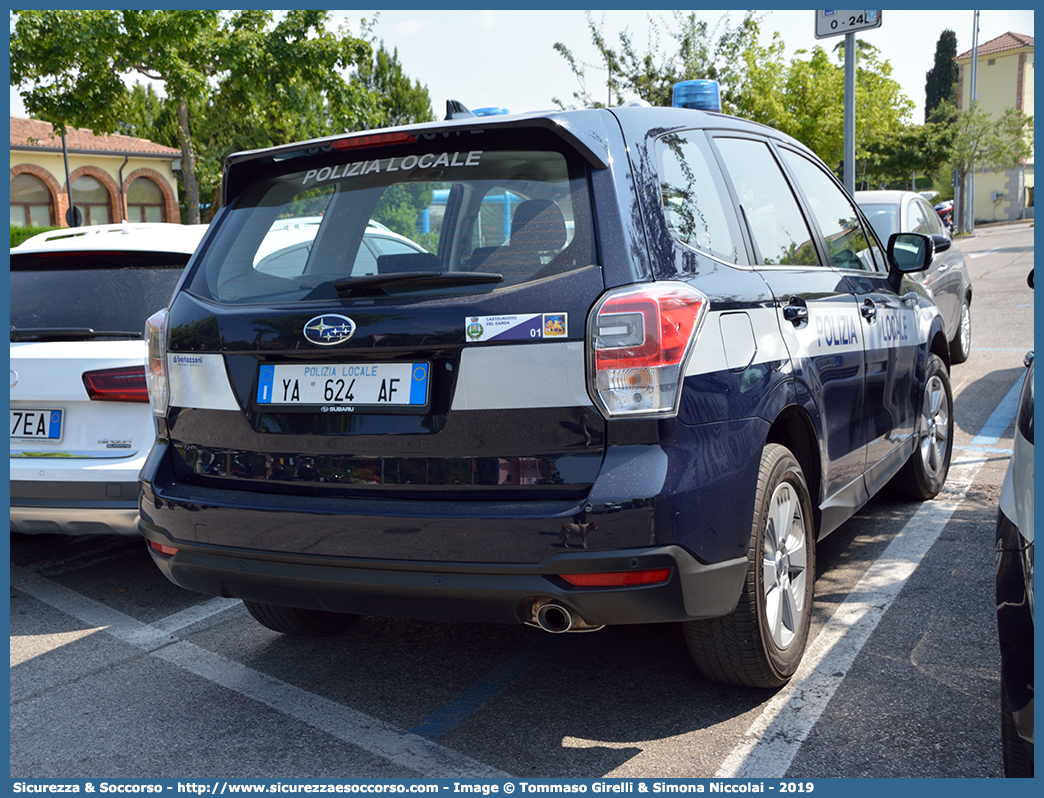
(343, 387)
(35, 424)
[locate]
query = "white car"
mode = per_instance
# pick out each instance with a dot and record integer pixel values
(286, 246)
(81, 425)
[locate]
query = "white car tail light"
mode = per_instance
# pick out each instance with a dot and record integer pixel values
(639, 339)
(156, 373)
(116, 385)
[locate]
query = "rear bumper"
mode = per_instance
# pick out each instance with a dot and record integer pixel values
(463, 592)
(74, 508)
(479, 561)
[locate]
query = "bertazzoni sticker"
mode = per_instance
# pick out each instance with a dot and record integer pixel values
(518, 327)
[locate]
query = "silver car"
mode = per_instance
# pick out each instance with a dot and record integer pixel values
(947, 279)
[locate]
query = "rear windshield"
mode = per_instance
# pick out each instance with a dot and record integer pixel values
(104, 292)
(883, 218)
(502, 208)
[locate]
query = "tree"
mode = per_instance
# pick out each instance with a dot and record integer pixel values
(399, 100)
(980, 141)
(805, 98)
(915, 148)
(271, 75)
(699, 52)
(940, 82)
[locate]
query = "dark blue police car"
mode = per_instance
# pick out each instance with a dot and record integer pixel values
(687, 360)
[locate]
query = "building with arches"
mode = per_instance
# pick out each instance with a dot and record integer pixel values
(113, 177)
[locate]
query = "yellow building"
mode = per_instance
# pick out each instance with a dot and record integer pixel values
(1004, 79)
(114, 178)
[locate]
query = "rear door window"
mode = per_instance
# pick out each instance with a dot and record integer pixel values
(768, 205)
(517, 212)
(696, 202)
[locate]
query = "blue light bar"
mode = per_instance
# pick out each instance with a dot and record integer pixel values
(490, 111)
(703, 95)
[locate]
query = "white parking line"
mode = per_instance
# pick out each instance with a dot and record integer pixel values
(776, 736)
(195, 614)
(355, 728)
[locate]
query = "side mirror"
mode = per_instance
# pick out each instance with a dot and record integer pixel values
(910, 252)
(941, 242)
(1029, 280)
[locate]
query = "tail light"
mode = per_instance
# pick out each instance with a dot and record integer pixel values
(639, 339)
(156, 369)
(117, 385)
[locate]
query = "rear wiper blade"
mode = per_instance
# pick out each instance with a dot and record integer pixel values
(369, 282)
(68, 333)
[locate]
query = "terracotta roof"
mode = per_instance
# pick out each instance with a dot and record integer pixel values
(33, 134)
(1003, 43)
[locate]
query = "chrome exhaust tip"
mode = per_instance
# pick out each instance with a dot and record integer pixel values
(554, 618)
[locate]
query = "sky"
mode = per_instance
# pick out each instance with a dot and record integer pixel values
(506, 58)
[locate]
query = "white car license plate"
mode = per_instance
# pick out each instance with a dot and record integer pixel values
(345, 385)
(29, 424)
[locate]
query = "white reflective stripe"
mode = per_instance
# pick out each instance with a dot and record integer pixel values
(522, 376)
(200, 382)
(834, 328)
(709, 355)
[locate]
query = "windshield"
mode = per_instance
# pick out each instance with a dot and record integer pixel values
(109, 291)
(517, 213)
(883, 218)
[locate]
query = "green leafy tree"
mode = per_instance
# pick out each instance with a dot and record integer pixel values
(982, 141)
(916, 148)
(940, 82)
(805, 97)
(272, 74)
(399, 100)
(684, 48)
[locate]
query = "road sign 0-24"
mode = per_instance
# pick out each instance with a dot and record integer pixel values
(836, 23)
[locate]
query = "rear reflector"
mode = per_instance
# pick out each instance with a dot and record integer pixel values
(117, 385)
(618, 578)
(376, 140)
(168, 551)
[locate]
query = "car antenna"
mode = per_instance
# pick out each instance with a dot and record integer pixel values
(456, 110)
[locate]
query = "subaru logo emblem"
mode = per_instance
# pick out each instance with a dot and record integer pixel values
(329, 330)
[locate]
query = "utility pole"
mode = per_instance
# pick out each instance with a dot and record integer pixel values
(836, 23)
(849, 139)
(73, 216)
(972, 96)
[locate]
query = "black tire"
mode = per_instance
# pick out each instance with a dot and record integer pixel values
(762, 642)
(1018, 756)
(960, 346)
(925, 472)
(297, 622)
